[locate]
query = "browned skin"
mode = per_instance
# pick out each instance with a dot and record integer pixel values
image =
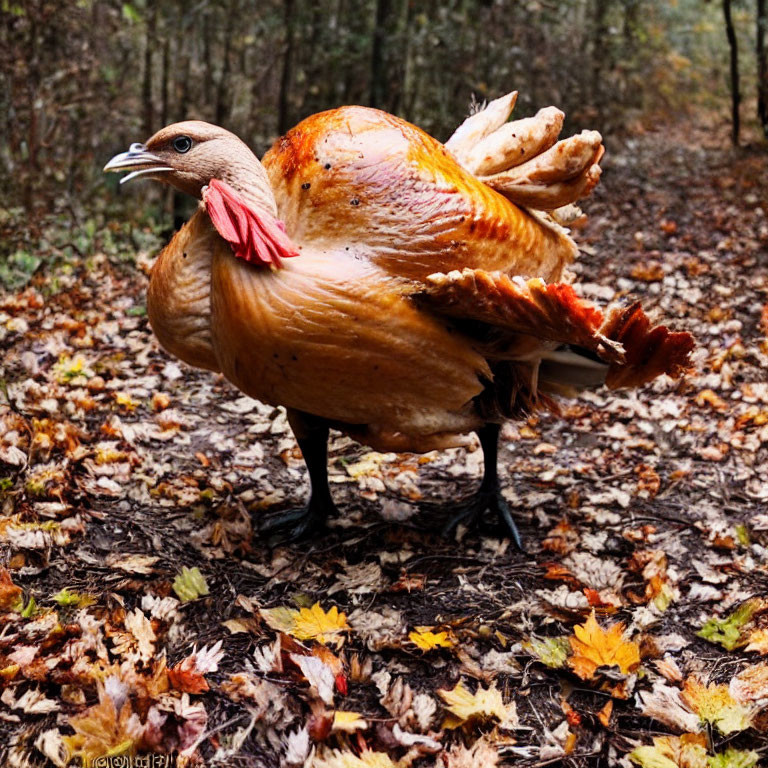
(375, 206)
(179, 296)
(394, 195)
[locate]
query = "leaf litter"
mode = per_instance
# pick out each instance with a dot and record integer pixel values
(141, 613)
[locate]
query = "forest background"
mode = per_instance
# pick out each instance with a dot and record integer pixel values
(81, 79)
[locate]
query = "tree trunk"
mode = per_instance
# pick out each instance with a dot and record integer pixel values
(286, 77)
(735, 94)
(146, 86)
(600, 55)
(165, 74)
(762, 66)
(224, 88)
(208, 27)
(378, 91)
(631, 95)
(401, 104)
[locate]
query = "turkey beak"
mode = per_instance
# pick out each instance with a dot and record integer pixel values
(138, 161)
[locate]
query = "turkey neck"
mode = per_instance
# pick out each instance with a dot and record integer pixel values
(249, 179)
(246, 175)
(179, 295)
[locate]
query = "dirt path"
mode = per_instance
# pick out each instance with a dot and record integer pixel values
(119, 467)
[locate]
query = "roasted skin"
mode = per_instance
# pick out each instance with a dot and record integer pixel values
(369, 278)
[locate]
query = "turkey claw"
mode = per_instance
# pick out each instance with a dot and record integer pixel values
(294, 525)
(471, 512)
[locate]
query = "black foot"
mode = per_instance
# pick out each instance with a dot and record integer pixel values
(294, 524)
(472, 512)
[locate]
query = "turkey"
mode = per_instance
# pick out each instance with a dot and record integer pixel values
(372, 280)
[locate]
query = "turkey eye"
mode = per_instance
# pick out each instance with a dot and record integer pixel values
(182, 144)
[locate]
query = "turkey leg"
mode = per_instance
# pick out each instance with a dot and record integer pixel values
(488, 497)
(311, 434)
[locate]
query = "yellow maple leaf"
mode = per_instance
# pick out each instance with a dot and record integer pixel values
(686, 751)
(348, 722)
(483, 705)
(426, 640)
(69, 369)
(336, 758)
(714, 704)
(103, 731)
(595, 647)
(124, 400)
(368, 465)
(309, 623)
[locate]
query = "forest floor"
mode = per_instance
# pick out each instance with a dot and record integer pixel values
(120, 468)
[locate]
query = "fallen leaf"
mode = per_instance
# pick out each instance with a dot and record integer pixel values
(244, 624)
(551, 651)
(758, 641)
(187, 675)
(604, 715)
(345, 759)
(712, 399)
(728, 631)
(734, 758)
(650, 271)
(32, 702)
(714, 704)
(427, 640)
(482, 754)
(483, 705)
(686, 751)
(318, 674)
(347, 722)
(190, 584)
(104, 729)
(595, 647)
(750, 685)
(68, 599)
(124, 400)
(309, 623)
(665, 704)
(9, 592)
(141, 628)
(140, 564)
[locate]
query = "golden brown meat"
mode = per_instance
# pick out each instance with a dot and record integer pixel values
(398, 296)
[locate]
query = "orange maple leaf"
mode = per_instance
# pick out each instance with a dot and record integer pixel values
(595, 647)
(104, 729)
(9, 592)
(186, 678)
(187, 675)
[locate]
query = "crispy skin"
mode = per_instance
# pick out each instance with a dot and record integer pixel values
(342, 343)
(362, 179)
(480, 125)
(565, 160)
(551, 312)
(551, 195)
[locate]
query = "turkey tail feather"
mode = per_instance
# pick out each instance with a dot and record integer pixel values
(633, 352)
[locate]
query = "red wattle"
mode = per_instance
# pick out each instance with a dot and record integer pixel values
(257, 238)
